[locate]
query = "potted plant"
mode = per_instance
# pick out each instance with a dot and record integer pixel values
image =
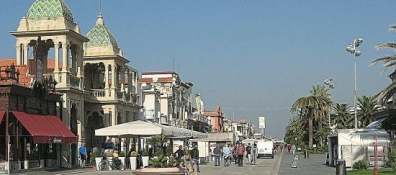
(145, 158)
(132, 159)
(121, 156)
(95, 158)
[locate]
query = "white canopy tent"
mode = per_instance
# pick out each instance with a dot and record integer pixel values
(134, 129)
(145, 128)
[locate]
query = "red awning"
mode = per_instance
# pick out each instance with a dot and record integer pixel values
(42, 130)
(68, 136)
(1, 115)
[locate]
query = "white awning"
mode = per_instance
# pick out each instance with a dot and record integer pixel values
(133, 129)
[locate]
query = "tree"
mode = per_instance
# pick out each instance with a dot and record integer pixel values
(158, 142)
(310, 106)
(368, 107)
(389, 61)
(322, 91)
(342, 115)
(296, 131)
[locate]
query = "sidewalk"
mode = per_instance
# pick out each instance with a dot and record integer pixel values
(58, 171)
(313, 165)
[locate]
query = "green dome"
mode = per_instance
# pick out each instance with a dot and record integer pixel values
(99, 35)
(49, 9)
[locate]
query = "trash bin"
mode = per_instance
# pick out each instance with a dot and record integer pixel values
(340, 168)
(306, 154)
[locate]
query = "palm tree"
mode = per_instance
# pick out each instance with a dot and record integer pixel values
(295, 131)
(368, 107)
(310, 106)
(389, 61)
(157, 142)
(342, 115)
(323, 91)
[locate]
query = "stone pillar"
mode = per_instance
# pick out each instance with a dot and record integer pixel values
(122, 78)
(74, 53)
(113, 116)
(80, 66)
(19, 60)
(56, 66)
(65, 64)
(106, 76)
(113, 81)
(26, 54)
(130, 91)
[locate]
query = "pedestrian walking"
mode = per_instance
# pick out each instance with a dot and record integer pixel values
(240, 151)
(83, 155)
(249, 154)
(227, 154)
(195, 157)
(289, 148)
(293, 149)
(179, 153)
(217, 154)
(254, 154)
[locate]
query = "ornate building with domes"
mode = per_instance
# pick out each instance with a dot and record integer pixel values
(97, 87)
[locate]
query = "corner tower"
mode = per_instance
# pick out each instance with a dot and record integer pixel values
(54, 22)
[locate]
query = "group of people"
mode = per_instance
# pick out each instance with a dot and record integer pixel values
(193, 160)
(235, 152)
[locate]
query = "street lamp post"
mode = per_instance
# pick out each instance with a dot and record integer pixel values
(329, 83)
(351, 48)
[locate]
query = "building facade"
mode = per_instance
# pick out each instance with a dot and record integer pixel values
(98, 88)
(216, 119)
(168, 101)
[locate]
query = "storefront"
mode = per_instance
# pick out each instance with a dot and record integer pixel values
(31, 133)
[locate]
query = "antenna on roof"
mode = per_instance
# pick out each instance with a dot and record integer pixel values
(100, 6)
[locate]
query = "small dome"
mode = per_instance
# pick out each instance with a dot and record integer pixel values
(99, 35)
(49, 9)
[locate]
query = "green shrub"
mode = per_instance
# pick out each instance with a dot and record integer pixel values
(163, 162)
(361, 164)
(392, 160)
(144, 153)
(94, 154)
(122, 154)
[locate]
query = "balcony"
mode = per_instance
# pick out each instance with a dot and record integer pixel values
(98, 93)
(74, 81)
(198, 118)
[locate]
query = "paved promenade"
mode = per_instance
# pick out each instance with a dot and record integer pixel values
(280, 165)
(314, 165)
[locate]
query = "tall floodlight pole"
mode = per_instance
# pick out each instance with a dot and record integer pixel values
(330, 84)
(351, 48)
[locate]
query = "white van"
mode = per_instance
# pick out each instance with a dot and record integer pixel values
(265, 148)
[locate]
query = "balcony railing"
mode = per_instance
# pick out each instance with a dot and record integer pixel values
(98, 93)
(199, 118)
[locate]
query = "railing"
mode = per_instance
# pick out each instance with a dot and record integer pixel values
(198, 117)
(9, 73)
(98, 93)
(74, 81)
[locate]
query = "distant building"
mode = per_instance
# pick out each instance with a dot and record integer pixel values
(243, 129)
(168, 101)
(216, 119)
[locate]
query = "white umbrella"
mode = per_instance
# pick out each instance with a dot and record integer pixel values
(133, 129)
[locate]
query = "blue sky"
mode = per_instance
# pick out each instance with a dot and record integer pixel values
(254, 57)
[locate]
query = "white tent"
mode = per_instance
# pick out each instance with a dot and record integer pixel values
(136, 128)
(187, 133)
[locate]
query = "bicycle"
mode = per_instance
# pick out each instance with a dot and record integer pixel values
(227, 161)
(105, 164)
